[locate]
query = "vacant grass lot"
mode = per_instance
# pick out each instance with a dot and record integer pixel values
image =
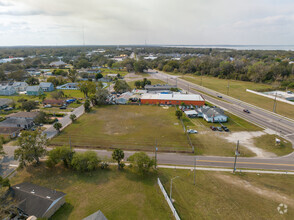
(118, 194)
(127, 127)
(153, 82)
(268, 143)
(227, 196)
(238, 91)
(106, 71)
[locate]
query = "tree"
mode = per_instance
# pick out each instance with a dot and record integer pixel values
(58, 154)
(32, 81)
(72, 75)
(18, 75)
(28, 105)
(87, 161)
(142, 162)
(57, 126)
(121, 86)
(118, 155)
(83, 63)
(41, 118)
(73, 117)
(140, 66)
(87, 105)
(98, 76)
(179, 114)
(87, 87)
(57, 94)
(138, 84)
(2, 153)
(31, 147)
(100, 97)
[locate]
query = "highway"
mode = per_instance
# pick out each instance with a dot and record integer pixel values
(266, 119)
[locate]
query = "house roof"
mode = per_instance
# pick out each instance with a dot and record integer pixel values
(33, 88)
(57, 63)
(173, 96)
(214, 112)
(9, 130)
(18, 84)
(14, 122)
(45, 84)
(96, 216)
(23, 115)
(159, 87)
(34, 199)
(6, 88)
(5, 101)
(191, 112)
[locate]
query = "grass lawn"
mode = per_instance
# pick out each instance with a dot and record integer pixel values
(113, 71)
(127, 127)
(153, 82)
(268, 143)
(73, 93)
(238, 91)
(118, 194)
(227, 196)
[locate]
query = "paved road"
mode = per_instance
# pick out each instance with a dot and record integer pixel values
(280, 124)
(65, 121)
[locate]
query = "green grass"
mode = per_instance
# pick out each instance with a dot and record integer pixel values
(118, 194)
(227, 196)
(268, 143)
(73, 93)
(113, 71)
(238, 91)
(127, 127)
(153, 82)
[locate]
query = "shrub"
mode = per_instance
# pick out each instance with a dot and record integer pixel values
(87, 161)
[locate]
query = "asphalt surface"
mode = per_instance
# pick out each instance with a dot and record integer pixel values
(281, 125)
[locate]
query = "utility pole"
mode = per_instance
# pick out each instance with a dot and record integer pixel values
(228, 87)
(69, 143)
(275, 103)
(171, 188)
(236, 155)
(156, 149)
(201, 79)
(195, 170)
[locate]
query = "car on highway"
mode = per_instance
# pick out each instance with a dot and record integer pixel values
(219, 96)
(192, 131)
(246, 111)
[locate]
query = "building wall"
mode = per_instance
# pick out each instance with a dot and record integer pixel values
(171, 102)
(53, 209)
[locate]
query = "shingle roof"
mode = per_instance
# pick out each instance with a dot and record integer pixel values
(33, 88)
(34, 199)
(96, 216)
(9, 130)
(14, 122)
(5, 101)
(214, 112)
(23, 115)
(45, 84)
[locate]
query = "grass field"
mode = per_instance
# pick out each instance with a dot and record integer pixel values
(268, 143)
(127, 127)
(73, 93)
(105, 72)
(227, 196)
(238, 91)
(118, 194)
(153, 82)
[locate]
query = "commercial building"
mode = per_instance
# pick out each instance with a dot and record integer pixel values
(173, 99)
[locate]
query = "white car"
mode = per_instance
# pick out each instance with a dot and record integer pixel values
(192, 131)
(48, 106)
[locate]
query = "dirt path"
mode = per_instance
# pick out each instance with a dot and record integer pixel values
(269, 194)
(246, 139)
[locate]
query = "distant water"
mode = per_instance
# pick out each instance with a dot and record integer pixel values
(240, 47)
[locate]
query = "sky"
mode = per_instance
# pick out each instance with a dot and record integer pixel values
(167, 22)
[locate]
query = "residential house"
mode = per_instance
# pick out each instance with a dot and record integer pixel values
(47, 86)
(96, 216)
(202, 110)
(215, 115)
(34, 90)
(26, 115)
(124, 98)
(54, 102)
(22, 123)
(7, 90)
(36, 200)
(68, 86)
(10, 132)
(58, 64)
(20, 86)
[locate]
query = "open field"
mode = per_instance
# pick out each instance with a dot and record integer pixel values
(238, 91)
(106, 71)
(73, 93)
(153, 82)
(268, 143)
(118, 194)
(127, 127)
(227, 196)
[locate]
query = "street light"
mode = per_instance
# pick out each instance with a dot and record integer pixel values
(171, 188)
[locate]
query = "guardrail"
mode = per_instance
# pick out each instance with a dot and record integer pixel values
(169, 202)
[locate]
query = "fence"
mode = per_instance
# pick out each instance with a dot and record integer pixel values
(169, 202)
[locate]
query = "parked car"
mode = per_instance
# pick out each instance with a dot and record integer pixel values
(8, 109)
(213, 128)
(219, 96)
(192, 131)
(246, 110)
(48, 106)
(62, 107)
(219, 128)
(225, 128)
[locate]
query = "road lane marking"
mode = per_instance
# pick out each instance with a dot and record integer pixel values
(240, 162)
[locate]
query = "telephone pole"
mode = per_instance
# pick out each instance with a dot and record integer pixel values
(275, 103)
(228, 87)
(156, 149)
(236, 155)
